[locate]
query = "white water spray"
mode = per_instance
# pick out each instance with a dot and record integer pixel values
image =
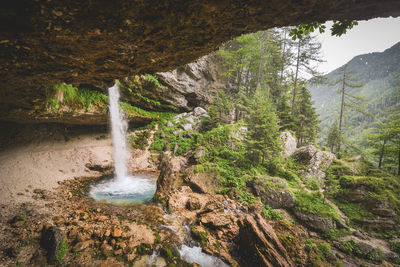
(123, 187)
(119, 128)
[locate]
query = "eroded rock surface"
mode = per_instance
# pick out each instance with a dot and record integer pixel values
(94, 42)
(289, 144)
(316, 161)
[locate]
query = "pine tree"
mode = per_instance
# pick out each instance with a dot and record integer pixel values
(308, 52)
(263, 135)
(333, 137)
(349, 100)
(305, 118)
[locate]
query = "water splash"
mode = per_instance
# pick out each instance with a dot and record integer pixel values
(123, 187)
(195, 255)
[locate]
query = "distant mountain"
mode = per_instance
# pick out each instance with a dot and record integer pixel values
(380, 74)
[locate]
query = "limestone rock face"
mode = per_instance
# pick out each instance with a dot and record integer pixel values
(273, 191)
(316, 161)
(193, 85)
(263, 247)
(87, 43)
(315, 222)
(289, 144)
(169, 178)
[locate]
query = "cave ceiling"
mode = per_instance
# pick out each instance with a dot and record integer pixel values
(93, 42)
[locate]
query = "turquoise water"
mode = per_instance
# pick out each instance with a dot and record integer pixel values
(134, 188)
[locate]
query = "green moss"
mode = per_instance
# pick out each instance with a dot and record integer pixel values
(335, 234)
(271, 214)
(395, 246)
(199, 236)
(139, 140)
(167, 253)
(62, 250)
(314, 204)
(354, 210)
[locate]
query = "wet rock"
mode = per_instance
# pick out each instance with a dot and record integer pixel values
(117, 232)
(262, 246)
(105, 248)
(273, 191)
(315, 222)
(83, 245)
(50, 241)
(201, 182)
(289, 144)
(193, 203)
(215, 220)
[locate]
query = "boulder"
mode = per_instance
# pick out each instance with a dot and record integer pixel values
(289, 144)
(202, 182)
(50, 241)
(304, 154)
(169, 178)
(273, 191)
(316, 161)
(314, 221)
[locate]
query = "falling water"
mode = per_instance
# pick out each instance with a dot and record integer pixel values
(123, 187)
(119, 127)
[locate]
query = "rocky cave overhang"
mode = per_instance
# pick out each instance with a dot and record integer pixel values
(93, 42)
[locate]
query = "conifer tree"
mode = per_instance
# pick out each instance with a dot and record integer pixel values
(333, 137)
(263, 135)
(347, 82)
(305, 118)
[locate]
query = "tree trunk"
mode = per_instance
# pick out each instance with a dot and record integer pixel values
(342, 108)
(398, 170)
(283, 57)
(296, 76)
(260, 62)
(381, 154)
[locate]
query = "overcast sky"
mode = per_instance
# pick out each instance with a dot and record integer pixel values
(374, 35)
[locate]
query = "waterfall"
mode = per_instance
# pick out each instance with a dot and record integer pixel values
(119, 128)
(122, 187)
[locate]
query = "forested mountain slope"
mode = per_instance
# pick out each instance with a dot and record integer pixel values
(379, 73)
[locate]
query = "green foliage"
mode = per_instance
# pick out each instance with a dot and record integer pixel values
(378, 189)
(63, 249)
(319, 252)
(153, 79)
(271, 214)
(139, 140)
(199, 236)
(218, 112)
(351, 247)
(167, 253)
(246, 198)
(263, 135)
(66, 94)
(395, 246)
(314, 204)
(338, 28)
(335, 234)
(306, 124)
